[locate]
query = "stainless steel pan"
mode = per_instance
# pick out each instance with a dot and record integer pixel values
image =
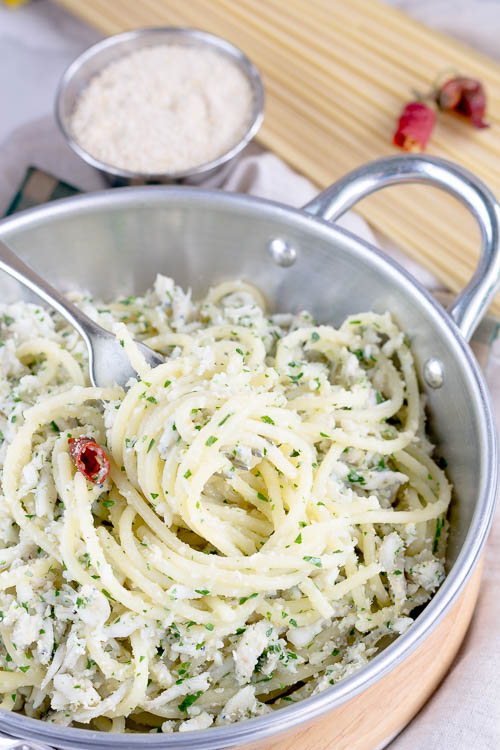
(114, 243)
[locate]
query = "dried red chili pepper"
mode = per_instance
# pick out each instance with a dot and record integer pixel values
(415, 126)
(89, 458)
(466, 96)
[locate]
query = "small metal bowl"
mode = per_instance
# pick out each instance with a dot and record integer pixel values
(97, 57)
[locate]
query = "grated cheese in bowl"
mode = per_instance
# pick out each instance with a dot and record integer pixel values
(163, 109)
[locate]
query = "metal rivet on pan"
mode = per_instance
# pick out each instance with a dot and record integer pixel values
(282, 253)
(434, 372)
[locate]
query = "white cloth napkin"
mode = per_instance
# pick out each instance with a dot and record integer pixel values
(465, 710)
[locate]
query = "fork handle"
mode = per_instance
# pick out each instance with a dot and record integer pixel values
(15, 267)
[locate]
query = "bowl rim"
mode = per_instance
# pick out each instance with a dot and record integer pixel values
(290, 717)
(183, 34)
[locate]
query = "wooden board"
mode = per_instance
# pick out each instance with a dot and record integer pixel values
(337, 74)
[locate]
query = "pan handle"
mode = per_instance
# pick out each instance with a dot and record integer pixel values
(471, 304)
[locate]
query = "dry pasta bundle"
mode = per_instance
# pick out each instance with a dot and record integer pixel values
(271, 518)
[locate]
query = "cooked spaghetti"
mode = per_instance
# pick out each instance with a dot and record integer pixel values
(271, 517)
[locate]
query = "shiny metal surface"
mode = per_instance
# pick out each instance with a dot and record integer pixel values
(433, 372)
(108, 363)
(203, 237)
(282, 253)
(471, 304)
(97, 57)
